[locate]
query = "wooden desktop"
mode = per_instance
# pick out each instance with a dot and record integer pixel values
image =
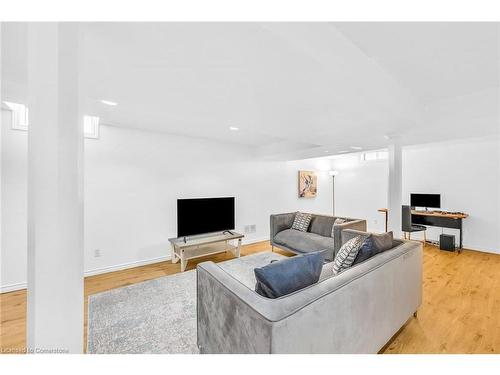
(452, 215)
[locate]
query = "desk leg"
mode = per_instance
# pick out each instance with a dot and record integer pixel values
(461, 238)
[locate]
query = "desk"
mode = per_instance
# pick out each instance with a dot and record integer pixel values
(439, 219)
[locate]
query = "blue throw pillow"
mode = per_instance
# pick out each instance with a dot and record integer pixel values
(289, 275)
(365, 251)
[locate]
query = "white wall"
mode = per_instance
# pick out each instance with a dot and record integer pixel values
(465, 173)
(14, 203)
(361, 189)
(133, 178)
(132, 181)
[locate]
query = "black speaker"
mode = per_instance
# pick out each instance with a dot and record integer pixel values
(447, 242)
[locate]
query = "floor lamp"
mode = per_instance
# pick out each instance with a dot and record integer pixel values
(333, 174)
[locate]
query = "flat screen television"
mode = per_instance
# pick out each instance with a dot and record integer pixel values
(425, 200)
(204, 215)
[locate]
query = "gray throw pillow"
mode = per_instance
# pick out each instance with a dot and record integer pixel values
(382, 242)
(286, 276)
(301, 221)
(347, 254)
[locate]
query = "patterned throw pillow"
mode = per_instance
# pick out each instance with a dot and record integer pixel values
(346, 255)
(301, 221)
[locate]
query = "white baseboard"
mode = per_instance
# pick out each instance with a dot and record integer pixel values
(255, 240)
(119, 267)
(95, 271)
(12, 287)
(124, 266)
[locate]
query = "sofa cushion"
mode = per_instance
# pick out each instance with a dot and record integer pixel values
(301, 221)
(321, 225)
(382, 242)
(346, 255)
(303, 242)
(286, 276)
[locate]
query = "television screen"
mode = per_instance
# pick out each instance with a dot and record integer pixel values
(425, 200)
(204, 215)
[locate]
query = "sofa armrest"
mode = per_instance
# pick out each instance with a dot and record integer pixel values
(280, 222)
(359, 225)
(227, 320)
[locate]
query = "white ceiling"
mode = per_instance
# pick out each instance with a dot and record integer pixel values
(434, 60)
(294, 89)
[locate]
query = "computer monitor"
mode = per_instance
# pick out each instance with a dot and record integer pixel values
(425, 200)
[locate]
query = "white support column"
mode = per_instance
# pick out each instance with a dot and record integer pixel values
(394, 198)
(1, 172)
(55, 190)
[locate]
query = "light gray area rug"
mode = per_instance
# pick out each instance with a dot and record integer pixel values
(157, 316)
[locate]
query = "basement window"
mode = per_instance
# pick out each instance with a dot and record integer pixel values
(20, 120)
(19, 115)
(374, 155)
(91, 127)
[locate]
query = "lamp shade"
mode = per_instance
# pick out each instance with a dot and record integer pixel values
(333, 173)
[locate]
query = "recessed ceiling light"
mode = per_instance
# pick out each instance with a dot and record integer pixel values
(326, 151)
(342, 152)
(356, 148)
(108, 102)
(234, 128)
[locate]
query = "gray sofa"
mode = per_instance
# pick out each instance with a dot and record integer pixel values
(318, 236)
(357, 311)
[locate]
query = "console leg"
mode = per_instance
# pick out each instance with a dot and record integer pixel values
(175, 259)
(238, 250)
(272, 248)
(183, 264)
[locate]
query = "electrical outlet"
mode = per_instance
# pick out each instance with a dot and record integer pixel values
(97, 253)
(249, 228)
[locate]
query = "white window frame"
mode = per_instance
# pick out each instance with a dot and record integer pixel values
(91, 127)
(374, 155)
(20, 120)
(20, 116)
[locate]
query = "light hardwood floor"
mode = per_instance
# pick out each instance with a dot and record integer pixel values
(460, 311)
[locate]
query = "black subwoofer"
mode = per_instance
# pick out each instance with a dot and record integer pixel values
(447, 242)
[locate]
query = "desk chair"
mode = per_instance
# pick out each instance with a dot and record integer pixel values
(407, 226)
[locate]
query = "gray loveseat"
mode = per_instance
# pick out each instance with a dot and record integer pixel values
(318, 236)
(357, 311)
